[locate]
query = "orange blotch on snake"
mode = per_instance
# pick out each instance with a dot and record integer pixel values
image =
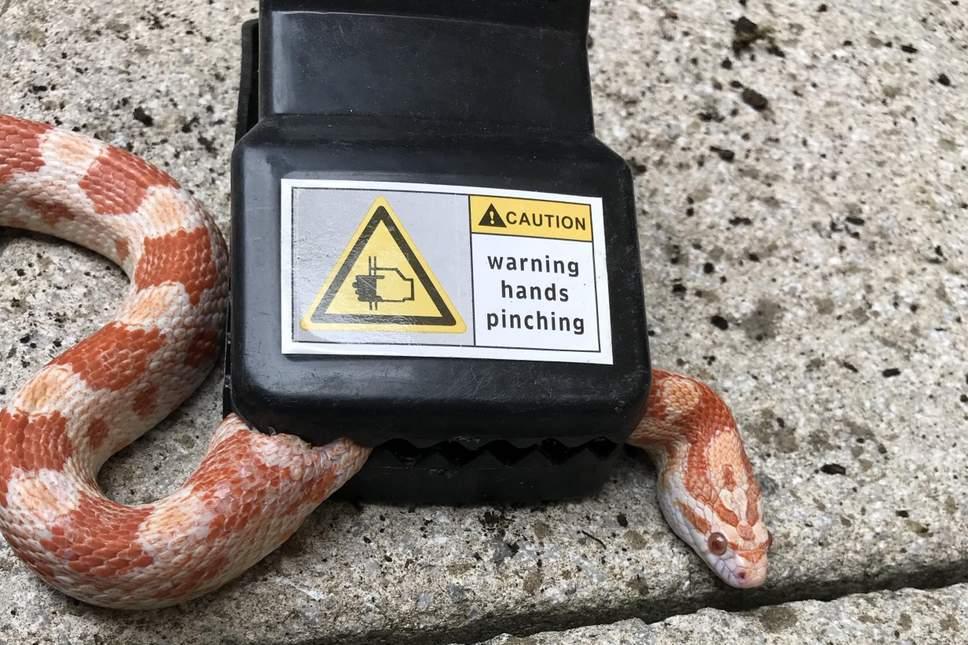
(322, 488)
(183, 256)
(114, 357)
(745, 531)
(222, 460)
(145, 400)
(31, 443)
(80, 540)
(194, 578)
(717, 442)
(698, 521)
(203, 348)
(117, 182)
(218, 478)
(20, 146)
(121, 250)
(50, 211)
(97, 431)
(724, 513)
(753, 555)
(752, 501)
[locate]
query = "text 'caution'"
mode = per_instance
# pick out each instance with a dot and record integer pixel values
(531, 218)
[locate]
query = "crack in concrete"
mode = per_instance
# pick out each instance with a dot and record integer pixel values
(656, 610)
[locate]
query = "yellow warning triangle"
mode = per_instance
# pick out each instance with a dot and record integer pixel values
(381, 282)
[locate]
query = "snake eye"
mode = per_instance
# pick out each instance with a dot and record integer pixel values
(717, 543)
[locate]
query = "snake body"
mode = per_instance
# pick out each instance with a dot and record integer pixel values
(251, 491)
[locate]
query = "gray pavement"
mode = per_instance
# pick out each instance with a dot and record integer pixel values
(802, 187)
(909, 616)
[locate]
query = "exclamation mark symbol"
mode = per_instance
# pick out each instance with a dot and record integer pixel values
(492, 218)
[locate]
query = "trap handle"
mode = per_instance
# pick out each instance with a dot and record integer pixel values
(506, 64)
(571, 15)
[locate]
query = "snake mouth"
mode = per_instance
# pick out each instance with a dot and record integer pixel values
(746, 572)
(751, 579)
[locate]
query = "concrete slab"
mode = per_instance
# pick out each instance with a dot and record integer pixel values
(906, 616)
(802, 186)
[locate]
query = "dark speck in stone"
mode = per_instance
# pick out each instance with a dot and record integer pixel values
(719, 322)
(755, 100)
(208, 144)
(188, 125)
(745, 33)
(143, 117)
(725, 155)
(772, 48)
(891, 372)
(909, 49)
(943, 79)
(675, 254)
(833, 469)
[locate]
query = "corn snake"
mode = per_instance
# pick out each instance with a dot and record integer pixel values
(251, 491)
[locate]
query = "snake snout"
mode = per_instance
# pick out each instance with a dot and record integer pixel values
(747, 574)
(746, 580)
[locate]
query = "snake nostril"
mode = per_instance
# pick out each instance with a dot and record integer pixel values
(741, 575)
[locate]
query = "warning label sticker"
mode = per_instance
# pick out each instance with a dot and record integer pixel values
(395, 269)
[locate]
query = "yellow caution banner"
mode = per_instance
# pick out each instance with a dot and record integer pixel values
(531, 218)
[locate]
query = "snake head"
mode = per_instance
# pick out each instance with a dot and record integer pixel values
(706, 488)
(726, 530)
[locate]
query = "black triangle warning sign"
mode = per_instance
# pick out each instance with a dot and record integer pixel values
(492, 218)
(381, 282)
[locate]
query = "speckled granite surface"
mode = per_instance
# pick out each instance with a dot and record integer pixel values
(907, 616)
(802, 180)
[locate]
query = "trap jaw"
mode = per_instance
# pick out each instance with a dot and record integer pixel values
(432, 253)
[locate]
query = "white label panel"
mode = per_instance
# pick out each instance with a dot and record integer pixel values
(400, 269)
